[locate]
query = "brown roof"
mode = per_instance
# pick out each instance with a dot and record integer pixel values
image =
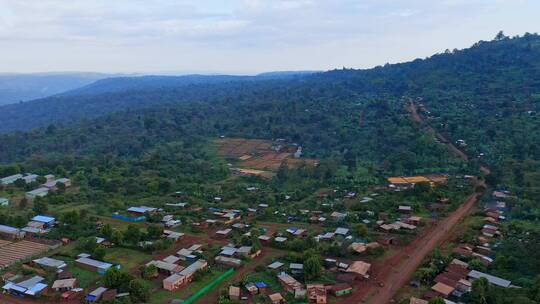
(417, 301)
(234, 291)
(443, 289)
(359, 267)
(445, 279)
(275, 297)
(65, 283)
(459, 270)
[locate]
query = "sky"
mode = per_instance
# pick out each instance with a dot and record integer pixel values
(244, 36)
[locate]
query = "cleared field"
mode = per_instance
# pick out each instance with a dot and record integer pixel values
(11, 252)
(260, 154)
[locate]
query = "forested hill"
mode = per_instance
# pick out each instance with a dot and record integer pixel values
(487, 95)
(504, 66)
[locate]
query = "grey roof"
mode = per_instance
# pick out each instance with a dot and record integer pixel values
(31, 282)
(49, 262)
(491, 279)
(193, 267)
(275, 265)
(98, 291)
(95, 263)
(9, 229)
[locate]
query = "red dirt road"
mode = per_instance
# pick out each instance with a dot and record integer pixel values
(389, 275)
(396, 271)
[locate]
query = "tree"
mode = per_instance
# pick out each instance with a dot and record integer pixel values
(480, 291)
(117, 237)
(361, 230)
(99, 253)
(132, 234)
(535, 290)
(148, 272)
(154, 231)
(437, 300)
(107, 231)
(138, 290)
(40, 206)
(312, 267)
(500, 36)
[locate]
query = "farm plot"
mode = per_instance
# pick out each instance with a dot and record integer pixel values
(11, 252)
(260, 154)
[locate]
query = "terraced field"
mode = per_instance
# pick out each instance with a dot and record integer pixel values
(11, 252)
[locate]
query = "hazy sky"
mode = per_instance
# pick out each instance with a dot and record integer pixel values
(244, 36)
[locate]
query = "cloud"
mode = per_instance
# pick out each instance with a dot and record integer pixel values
(244, 35)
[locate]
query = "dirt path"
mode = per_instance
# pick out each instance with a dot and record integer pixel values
(412, 108)
(390, 275)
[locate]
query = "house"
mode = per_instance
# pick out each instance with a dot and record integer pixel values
(360, 269)
(39, 192)
(50, 263)
(4, 201)
(93, 265)
(289, 283)
(276, 298)
(166, 268)
(341, 289)
(11, 233)
(227, 261)
(338, 216)
(264, 239)
(316, 293)
(31, 287)
(414, 300)
(142, 210)
(171, 259)
(252, 289)
(95, 295)
(414, 220)
(49, 178)
(64, 285)
(358, 247)
(405, 209)
(342, 231)
(8, 180)
(474, 275)
(296, 268)
(173, 235)
(30, 178)
(223, 233)
(275, 265)
(234, 293)
(47, 221)
(244, 251)
(261, 286)
(185, 276)
(280, 239)
(109, 295)
(442, 289)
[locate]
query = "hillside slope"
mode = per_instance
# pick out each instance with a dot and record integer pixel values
(22, 87)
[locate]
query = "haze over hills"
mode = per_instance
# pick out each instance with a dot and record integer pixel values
(22, 87)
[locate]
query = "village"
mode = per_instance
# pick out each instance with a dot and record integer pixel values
(252, 255)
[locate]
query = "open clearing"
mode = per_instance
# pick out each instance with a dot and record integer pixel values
(260, 154)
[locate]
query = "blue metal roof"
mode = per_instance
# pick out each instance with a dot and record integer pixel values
(43, 219)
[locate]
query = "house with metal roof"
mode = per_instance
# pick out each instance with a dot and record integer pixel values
(11, 232)
(32, 287)
(94, 265)
(39, 192)
(10, 179)
(474, 275)
(50, 263)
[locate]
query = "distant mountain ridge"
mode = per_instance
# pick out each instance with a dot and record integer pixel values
(23, 87)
